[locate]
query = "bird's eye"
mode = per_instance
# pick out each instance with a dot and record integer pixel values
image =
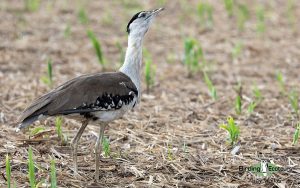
(142, 15)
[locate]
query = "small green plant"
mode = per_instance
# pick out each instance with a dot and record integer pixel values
(291, 7)
(251, 107)
(243, 15)
(67, 31)
(193, 53)
(82, 16)
(149, 73)
(58, 126)
(170, 153)
(36, 130)
(237, 50)
(122, 53)
(106, 147)
(232, 129)
(238, 104)
(53, 174)
(293, 97)
(211, 87)
(97, 47)
(229, 5)
(8, 171)
(205, 13)
(32, 5)
(257, 94)
(260, 15)
(296, 134)
(281, 82)
(48, 79)
(31, 172)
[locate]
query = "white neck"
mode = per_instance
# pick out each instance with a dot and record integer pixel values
(133, 61)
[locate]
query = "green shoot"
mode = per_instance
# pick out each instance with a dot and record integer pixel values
(36, 130)
(251, 107)
(257, 94)
(106, 147)
(67, 31)
(281, 82)
(53, 174)
(31, 168)
(185, 148)
(293, 97)
(48, 80)
(291, 12)
(229, 4)
(122, 53)
(97, 46)
(237, 50)
(243, 15)
(149, 73)
(238, 105)
(260, 15)
(58, 125)
(82, 16)
(232, 129)
(296, 134)
(205, 12)
(8, 171)
(193, 53)
(32, 5)
(211, 87)
(170, 153)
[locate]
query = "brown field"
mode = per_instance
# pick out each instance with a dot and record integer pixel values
(173, 138)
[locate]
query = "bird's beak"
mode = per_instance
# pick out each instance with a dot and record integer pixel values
(156, 11)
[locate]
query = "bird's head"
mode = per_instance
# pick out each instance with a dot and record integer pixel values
(140, 22)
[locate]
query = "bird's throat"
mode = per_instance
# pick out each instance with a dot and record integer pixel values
(133, 61)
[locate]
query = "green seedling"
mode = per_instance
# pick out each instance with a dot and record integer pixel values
(229, 5)
(32, 5)
(149, 73)
(122, 53)
(205, 13)
(257, 94)
(296, 134)
(211, 87)
(67, 31)
(8, 171)
(243, 15)
(251, 107)
(293, 97)
(31, 168)
(260, 16)
(281, 82)
(106, 147)
(170, 153)
(238, 105)
(232, 129)
(237, 50)
(291, 12)
(53, 174)
(193, 53)
(48, 79)
(97, 47)
(82, 16)
(185, 148)
(36, 130)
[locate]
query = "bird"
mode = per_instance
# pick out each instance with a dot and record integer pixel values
(97, 98)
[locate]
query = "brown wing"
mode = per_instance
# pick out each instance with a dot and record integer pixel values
(76, 93)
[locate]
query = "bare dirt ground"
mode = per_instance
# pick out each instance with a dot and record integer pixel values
(177, 114)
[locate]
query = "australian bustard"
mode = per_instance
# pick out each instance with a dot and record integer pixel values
(97, 98)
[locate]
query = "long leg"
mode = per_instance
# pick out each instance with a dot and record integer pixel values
(74, 143)
(98, 147)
